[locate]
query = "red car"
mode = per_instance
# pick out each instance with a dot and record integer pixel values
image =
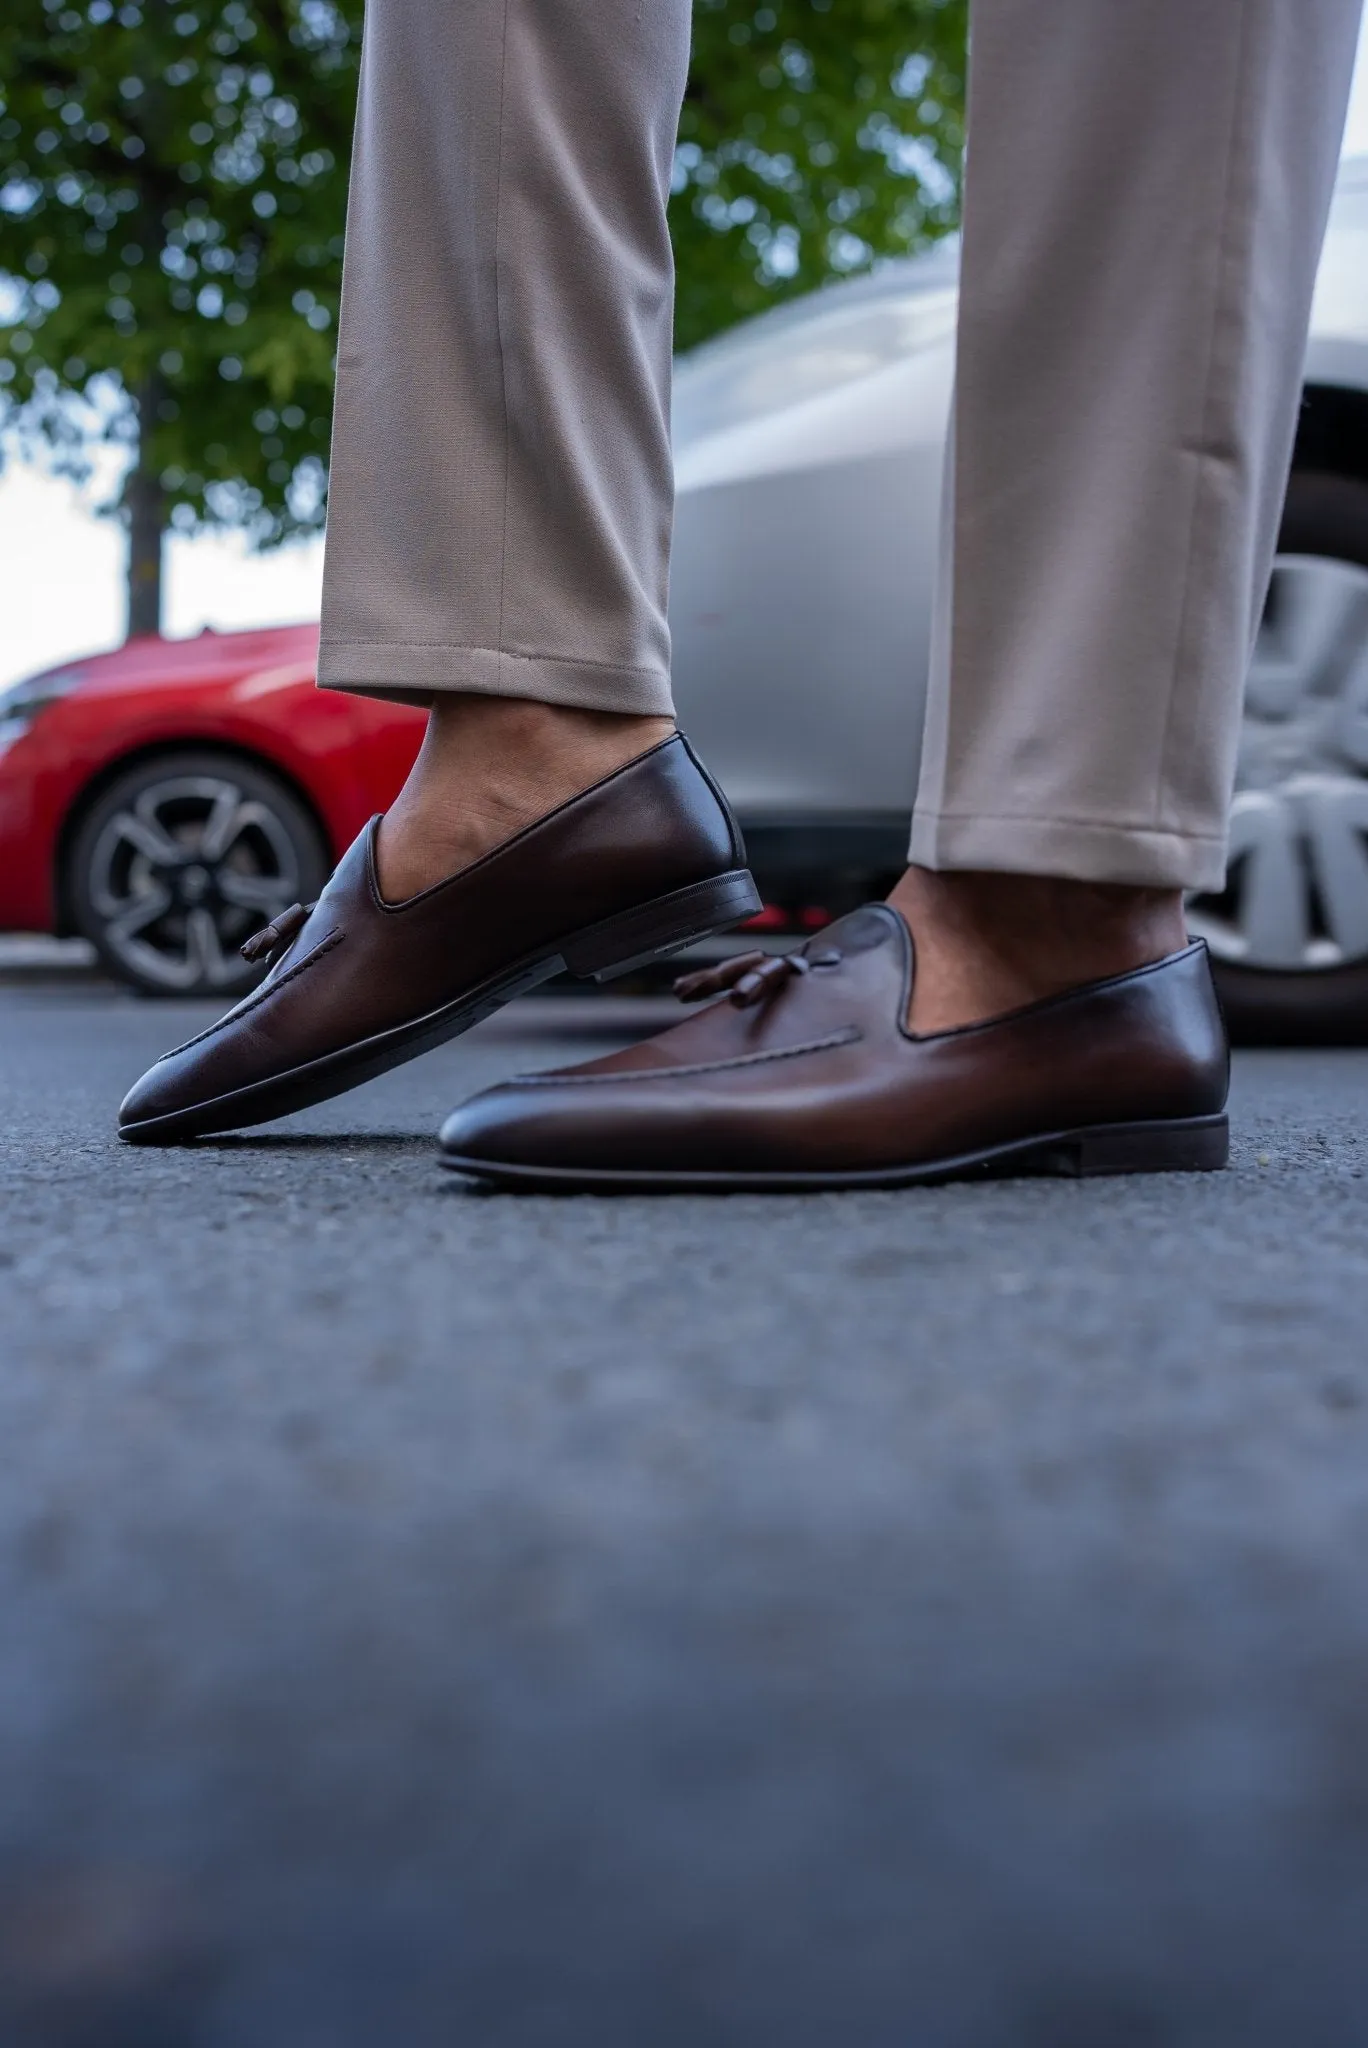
(165, 800)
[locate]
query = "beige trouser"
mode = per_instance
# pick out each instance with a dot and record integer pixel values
(1146, 197)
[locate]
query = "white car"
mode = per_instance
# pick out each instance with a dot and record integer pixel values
(808, 447)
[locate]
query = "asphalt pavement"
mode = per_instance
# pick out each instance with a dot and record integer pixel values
(435, 1619)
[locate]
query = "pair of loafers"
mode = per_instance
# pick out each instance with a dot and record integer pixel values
(801, 1074)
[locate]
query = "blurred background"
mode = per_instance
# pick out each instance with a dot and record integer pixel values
(172, 195)
(172, 200)
(807, 152)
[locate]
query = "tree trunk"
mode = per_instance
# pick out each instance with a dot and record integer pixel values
(145, 504)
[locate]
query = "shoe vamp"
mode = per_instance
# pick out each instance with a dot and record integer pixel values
(351, 976)
(864, 991)
(846, 1103)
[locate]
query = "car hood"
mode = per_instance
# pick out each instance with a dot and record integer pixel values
(208, 660)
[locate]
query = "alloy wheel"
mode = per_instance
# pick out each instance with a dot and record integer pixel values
(1296, 897)
(184, 872)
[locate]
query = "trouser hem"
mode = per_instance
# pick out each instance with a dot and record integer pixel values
(415, 674)
(1140, 856)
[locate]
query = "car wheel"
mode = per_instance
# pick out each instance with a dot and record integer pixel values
(179, 860)
(1289, 934)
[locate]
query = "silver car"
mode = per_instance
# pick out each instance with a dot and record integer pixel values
(808, 454)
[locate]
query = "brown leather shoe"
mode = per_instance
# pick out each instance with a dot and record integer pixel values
(807, 1078)
(645, 862)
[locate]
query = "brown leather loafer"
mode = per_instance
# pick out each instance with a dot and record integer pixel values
(641, 864)
(806, 1077)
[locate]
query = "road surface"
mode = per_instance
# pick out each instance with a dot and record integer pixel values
(444, 1620)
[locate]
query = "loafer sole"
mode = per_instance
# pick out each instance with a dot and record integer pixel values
(1182, 1145)
(600, 952)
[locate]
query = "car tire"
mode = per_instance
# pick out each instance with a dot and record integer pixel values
(179, 859)
(1324, 516)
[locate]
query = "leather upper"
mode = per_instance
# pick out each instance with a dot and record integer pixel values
(819, 1073)
(359, 966)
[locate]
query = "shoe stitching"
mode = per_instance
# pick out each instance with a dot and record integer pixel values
(252, 1002)
(850, 1036)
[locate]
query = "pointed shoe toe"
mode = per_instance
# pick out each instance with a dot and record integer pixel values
(149, 1101)
(537, 1132)
(488, 1128)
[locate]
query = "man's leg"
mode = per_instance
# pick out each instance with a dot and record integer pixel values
(1146, 196)
(498, 547)
(501, 492)
(1147, 191)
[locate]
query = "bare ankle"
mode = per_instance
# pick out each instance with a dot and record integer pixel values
(488, 767)
(987, 943)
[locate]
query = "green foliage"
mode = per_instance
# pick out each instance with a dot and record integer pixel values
(172, 192)
(817, 135)
(171, 220)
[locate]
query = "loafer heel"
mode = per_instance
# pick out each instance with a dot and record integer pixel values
(652, 931)
(1193, 1145)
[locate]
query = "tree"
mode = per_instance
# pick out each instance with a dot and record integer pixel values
(171, 224)
(817, 136)
(173, 196)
